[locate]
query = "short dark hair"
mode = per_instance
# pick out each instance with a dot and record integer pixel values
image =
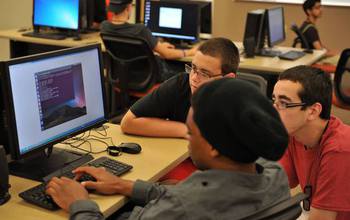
(316, 87)
(118, 6)
(224, 49)
(309, 4)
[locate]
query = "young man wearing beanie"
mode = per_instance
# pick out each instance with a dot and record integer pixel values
(122, 10)
(313, 11)
(225, 143)
(318, 154)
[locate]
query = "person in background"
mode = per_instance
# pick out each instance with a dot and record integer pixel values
(318, 154)
(313, 11)
(225, 143)
(122, 10)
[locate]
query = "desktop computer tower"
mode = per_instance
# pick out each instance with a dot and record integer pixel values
(254, 31)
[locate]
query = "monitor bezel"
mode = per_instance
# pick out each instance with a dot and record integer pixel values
(9, 104)
(272, 44)
(192, 38)
(37, 26)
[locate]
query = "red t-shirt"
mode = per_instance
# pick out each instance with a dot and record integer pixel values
(330, 177)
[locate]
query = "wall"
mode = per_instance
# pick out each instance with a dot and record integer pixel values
(334, 28)
(13, 14)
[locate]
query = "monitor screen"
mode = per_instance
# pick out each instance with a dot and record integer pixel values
(275, 26)
(53, 96)
(56, 13)
(171, 19)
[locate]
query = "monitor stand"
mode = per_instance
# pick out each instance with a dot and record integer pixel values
(38, 166)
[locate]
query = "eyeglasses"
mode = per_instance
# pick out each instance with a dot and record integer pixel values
(284, 105)
(307, 201)
(201, 75)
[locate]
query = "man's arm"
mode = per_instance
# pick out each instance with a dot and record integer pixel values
(154, 127)
(318, 46)
(316, 214)
(167, 51)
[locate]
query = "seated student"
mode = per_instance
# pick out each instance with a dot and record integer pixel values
(122, 10)
(318, 154)
(224, 142)
(313, 11)
(163, 112)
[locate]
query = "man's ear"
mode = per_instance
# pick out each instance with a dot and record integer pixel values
(230, 75)
(315, 111)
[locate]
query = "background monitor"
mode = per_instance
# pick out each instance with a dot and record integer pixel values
(51, 97)
(56, 14)
(173, 19)
(275, 26)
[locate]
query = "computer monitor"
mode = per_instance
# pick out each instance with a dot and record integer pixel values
(173, 19)
(62, 14)
(275, 26)
(50, 97)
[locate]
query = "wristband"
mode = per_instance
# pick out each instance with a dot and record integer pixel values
(113, 151)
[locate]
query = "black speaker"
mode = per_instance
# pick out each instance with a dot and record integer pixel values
(4, 177)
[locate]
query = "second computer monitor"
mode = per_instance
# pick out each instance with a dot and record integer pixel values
(171, 19)
(275, 26)
(56, 14)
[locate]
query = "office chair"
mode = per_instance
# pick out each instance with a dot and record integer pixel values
(132, 69)
(257, 80)
(300, 37)
(341, 96)
(288, 209)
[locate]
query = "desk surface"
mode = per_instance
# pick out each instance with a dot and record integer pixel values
(257, 64)
(276, 65)
(13, 34)
(158, 156)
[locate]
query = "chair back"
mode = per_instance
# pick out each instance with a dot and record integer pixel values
(300, 37)
(131, 67)
(288, 209)
(342, 78)
(257, 80)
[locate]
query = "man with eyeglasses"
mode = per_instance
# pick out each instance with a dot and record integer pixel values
(163, 112)
(318, 154)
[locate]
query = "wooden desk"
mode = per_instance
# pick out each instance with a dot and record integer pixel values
(21, 45)
(158, 156)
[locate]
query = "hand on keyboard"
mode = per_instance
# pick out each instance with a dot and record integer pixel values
(105, 181)
(65, 191)
(59, 188)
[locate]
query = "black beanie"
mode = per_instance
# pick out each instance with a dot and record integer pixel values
(238, 121)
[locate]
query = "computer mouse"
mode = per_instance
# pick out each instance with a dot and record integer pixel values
(130, 148)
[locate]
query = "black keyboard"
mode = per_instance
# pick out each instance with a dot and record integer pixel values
(269, 53)
(292, 55)
(51, 36)
(37, 196)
